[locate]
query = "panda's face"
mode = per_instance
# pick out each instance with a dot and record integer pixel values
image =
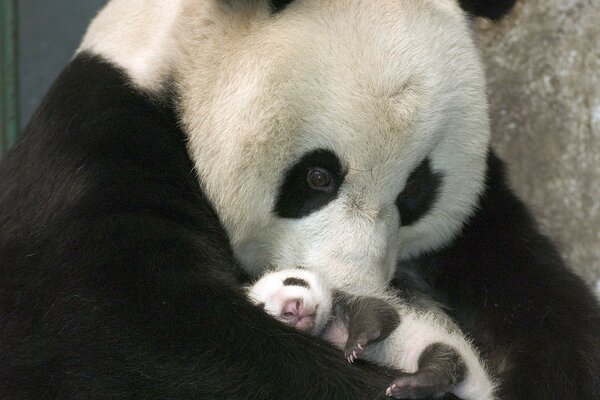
(339, 135)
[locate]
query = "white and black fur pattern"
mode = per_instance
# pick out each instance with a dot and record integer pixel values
(380, 329)
(155, 166)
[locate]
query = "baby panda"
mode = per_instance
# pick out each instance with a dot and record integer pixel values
(433, 355)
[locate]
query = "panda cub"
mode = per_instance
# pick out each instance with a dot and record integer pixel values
(436, 357)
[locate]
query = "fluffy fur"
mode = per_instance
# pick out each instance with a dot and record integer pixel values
(119, 279)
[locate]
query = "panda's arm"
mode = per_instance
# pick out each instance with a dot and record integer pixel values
(117, 279)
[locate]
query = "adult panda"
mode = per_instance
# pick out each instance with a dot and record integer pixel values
(119, 280)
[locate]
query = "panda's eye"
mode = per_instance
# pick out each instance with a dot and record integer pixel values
(309, 184)
(319, 179)
(411, 188)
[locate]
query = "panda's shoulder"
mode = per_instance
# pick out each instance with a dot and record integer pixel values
(98, 146)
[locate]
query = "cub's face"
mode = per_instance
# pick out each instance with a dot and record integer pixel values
(340, 136)
(337, 135)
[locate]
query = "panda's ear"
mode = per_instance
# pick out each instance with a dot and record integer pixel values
(492, 9)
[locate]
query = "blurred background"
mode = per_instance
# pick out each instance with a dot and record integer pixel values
(543, 68)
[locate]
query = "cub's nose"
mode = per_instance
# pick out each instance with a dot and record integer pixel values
(292, 309)
(294, 313)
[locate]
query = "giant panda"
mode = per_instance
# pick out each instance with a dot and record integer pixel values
(175, 156)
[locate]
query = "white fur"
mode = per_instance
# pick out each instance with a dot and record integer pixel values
(138, 36)
(382, 84)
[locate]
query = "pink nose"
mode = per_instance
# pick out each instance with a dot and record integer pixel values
(292, 310)
(295, 314)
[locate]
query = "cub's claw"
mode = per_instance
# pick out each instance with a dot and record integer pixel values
(354, 348)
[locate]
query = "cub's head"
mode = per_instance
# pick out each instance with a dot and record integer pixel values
(338, 135)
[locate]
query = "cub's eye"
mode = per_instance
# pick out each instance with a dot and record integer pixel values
(319, 179)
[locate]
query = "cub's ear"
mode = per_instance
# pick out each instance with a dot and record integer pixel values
(492, 9)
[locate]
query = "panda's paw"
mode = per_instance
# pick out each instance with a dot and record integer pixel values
(296, 297)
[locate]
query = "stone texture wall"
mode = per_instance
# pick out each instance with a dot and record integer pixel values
(543, 68)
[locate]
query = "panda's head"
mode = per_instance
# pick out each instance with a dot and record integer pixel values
(338, 135)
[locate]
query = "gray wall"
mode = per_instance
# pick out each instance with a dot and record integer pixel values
(50, 31)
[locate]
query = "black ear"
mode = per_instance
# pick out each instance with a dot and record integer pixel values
(492, 9)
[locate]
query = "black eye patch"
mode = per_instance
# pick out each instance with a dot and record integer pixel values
(298, 196)
(278, 5)
(419, 194)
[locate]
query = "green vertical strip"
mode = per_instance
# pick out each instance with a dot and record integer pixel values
(10, 73)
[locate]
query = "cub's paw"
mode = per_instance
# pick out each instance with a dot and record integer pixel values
(368, 319)
(296, 297)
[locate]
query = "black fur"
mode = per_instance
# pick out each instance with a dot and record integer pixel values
(506, 286)
(419, 194)
(296, 198)
(117, 281)
(278, 5)
(492, 9)
(296, 282)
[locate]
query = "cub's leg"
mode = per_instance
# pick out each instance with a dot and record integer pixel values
(441, 368)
